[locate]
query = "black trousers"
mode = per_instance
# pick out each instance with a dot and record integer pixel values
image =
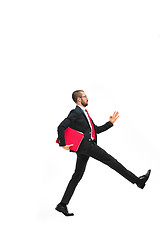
(102, 156)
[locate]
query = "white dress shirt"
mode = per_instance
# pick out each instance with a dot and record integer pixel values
(83, 109)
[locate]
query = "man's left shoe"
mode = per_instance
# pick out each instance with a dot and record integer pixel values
(143, 179)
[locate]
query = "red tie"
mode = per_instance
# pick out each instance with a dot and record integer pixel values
(93, 130)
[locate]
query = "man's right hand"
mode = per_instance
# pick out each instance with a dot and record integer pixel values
(67, 146)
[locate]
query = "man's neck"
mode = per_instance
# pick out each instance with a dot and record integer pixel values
(81, 106)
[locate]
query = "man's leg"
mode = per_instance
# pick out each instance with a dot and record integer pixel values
(79, 171)
(101, 155)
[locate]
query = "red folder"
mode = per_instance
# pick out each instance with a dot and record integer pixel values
(72, 137)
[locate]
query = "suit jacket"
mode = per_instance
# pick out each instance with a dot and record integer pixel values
(78, 121)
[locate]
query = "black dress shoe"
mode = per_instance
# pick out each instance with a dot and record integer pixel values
(143, 179)
(64, 210)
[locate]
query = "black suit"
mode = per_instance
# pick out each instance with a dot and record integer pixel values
(78, 121)
(88, 148)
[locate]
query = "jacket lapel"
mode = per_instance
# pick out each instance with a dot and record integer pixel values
(80, 110)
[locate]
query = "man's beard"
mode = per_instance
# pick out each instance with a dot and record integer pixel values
(84, 104)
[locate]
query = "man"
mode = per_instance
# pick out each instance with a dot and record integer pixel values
(79, 119)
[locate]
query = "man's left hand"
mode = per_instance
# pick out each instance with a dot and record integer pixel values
(113, 118)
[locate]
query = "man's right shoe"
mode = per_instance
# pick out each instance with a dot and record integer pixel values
(143, 179)
(64, 210)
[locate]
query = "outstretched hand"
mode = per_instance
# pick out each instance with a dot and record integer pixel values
(113, 118)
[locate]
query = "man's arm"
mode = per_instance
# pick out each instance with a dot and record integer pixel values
(61, 129)
(109, 124)
(106, 126)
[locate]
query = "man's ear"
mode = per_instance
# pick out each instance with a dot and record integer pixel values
(78, 99)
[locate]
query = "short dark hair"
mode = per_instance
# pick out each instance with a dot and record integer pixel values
(76, 94)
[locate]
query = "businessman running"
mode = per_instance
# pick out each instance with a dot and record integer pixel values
(80, 120)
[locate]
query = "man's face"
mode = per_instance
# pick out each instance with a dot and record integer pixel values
(84, 99)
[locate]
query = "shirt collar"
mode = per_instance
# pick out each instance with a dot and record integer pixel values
(83, 108)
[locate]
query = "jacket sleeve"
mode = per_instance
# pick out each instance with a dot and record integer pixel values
(106, 126)
(63, 125)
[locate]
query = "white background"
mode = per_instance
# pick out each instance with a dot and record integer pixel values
(111, 49)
